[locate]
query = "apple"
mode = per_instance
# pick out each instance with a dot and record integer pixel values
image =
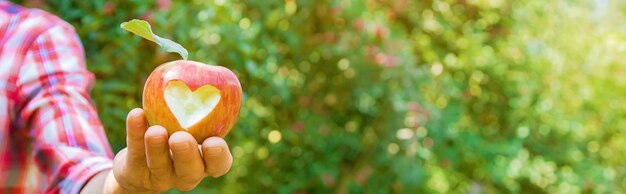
(201, 99)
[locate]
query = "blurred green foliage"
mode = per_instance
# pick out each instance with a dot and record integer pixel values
(377, 96)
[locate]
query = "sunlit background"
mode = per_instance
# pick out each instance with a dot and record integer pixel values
(381, 96)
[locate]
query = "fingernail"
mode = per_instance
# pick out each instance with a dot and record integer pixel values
(180, 146)
(213, 151)
(157, 140)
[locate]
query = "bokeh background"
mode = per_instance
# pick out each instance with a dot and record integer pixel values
(381, 96)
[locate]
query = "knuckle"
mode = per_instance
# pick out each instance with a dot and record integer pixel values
(218, 173)
(161, 171)
(220, 170)
(195, 177)
(161, 187)
(186, 186)
(161, 183)
(183, 158)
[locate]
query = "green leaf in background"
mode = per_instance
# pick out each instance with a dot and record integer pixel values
(142, 28)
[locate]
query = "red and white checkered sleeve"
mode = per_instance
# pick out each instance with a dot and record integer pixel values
(70, 146)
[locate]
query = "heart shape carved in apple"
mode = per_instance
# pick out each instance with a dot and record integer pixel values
(188, 106)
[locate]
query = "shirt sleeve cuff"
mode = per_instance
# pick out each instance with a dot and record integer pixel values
(83, 171)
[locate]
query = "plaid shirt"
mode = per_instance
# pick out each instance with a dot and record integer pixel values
(51, 140)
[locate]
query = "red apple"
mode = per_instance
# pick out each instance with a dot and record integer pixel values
(201, 99)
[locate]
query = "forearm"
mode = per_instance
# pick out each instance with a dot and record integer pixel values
(68, 141)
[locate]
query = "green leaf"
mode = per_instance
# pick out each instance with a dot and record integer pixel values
(143, 29)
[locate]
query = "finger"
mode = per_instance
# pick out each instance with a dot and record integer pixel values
(158, 157)
(136, 126)
(217, 157)
(188, 164)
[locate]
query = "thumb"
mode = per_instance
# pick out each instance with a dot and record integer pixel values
(136, 126)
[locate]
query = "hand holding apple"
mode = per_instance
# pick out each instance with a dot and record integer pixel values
(155, 162)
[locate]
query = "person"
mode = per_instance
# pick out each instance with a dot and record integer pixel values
(51, 140)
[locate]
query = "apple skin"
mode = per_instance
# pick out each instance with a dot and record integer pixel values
(195, 75)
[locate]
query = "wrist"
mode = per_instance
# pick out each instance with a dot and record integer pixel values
(111, 186)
